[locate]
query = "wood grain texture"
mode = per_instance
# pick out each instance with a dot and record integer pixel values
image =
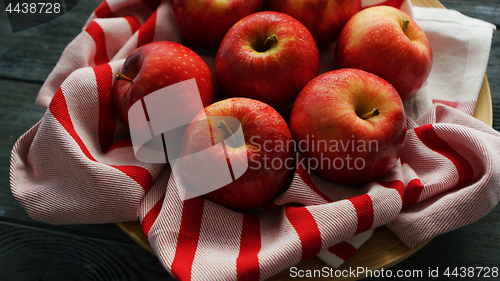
(28, 254)
(23, 58)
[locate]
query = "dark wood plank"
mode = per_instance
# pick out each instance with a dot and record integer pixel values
(27, 254)
(488, 10)
(22, 57)
(493, 73)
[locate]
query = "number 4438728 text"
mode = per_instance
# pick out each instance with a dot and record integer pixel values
(34, 8)
(470, 271)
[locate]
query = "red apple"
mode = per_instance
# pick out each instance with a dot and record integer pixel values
(205, 22)
(155, 66)
(268, 56)
(353, 123)
(387, 42)
(323, 18)
(247, 135)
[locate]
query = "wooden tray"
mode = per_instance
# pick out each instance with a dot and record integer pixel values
(383, 249)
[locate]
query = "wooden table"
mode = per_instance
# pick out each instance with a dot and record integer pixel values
(31, 250)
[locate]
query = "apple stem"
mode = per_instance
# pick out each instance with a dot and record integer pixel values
(405, 24)
(223, 126)
(270, 41)
(371, 113)
(123, 77)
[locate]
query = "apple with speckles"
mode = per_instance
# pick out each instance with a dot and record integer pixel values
(259, 149)
(157, 65)
(205, 22)
(387, 42)
(323, 18)
(268, 56)
(354, 125)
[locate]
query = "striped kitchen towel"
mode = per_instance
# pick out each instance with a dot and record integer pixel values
(77, 165)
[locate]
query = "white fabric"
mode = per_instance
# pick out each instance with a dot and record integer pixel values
(461, 48)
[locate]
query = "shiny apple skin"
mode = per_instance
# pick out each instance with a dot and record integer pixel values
(274, 76)
(205, 22)
(260, 124)
(373, 40)
(323, 18)
(157, 65)
(329, 109)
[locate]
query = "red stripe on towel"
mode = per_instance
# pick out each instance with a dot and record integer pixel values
(147, 30)
(187, 241)
(307, 229)
(107, 118)
(364, 210)
(150, 218)
(342, 250)
(431, 139)
(247, 263)
(97, 34)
